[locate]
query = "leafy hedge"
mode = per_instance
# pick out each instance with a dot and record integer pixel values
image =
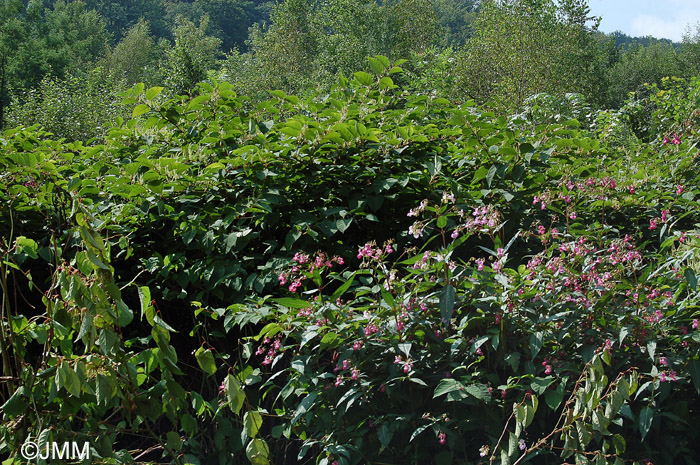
(366, 276)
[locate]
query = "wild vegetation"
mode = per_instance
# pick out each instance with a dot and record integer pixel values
(354, 238)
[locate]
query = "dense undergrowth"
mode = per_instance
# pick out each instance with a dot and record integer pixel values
(365, 276)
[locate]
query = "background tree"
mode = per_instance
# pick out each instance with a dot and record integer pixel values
(524, 47)
(191, 56)
(638, 66)
(135, 57)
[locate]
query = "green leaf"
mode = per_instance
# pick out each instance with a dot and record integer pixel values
(364, 78)
(447, 303)
(341, 290)
(619, 443)
(140, 110)
(305, 405)
(385, 435)
(252, 421)
(174, 441)
(376, 66)
(16, 404)
(386, 83)
(205, 359)
(646, 417)
(535, 344)
(691, 278)
(447, 385)
(153, 92)
(651, 347)
(291, 302)
(258, 452)
(539, 385)
(27, 246)
(328, 339)
(694, 369)
(235, 396)
(343, 224)
(489, 176)
(105, 389)
(554, 398)
(418, 430)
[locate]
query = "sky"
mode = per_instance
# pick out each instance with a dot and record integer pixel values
(665, 19)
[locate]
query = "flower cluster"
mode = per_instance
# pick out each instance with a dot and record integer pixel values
(675, 140)
(372, 252)
(304, 267)
(270, 349)
(486, 219)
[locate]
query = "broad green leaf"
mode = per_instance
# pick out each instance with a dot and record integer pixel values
(646, 417)
(140, 110)
(364, 78)
(694, 369)
(376, 66)
(205, 359)
(291, 302)
(153, 92)
(535, 344)
(447, 385)
(619, 443)
(16, 404)
(258, 452)
(385, 435)
(252, 421)
(691, 278)
(234, 394)
(447, 303)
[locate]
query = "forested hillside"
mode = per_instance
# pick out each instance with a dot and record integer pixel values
(346, 232)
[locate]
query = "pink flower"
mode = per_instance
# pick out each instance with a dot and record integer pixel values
(663, 361)
(695, 323)
(222, 387)
(572, 215)
(338, 381)
(679, 189)
(355, 374)
(548, 370)
(652, 225)
(676, 140)
(664, 216)
(480, 263)
(631, 188)
(442, 437)
(541, 230)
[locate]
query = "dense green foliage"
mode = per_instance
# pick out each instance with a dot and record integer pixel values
(478, 245)
(362, 276)
(499, 52)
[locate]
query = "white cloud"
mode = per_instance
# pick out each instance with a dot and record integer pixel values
(671, 27)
